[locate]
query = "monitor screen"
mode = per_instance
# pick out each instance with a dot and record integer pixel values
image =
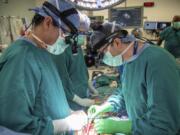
(163, 25)
(150, 25)
(156, 25)
(127, 17)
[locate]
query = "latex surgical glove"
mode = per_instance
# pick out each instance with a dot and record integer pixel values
(112, 125)
(96, 110)
(83, 101)
(76, 121)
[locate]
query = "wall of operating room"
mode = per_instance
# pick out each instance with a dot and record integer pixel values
(163, 10)
(14, 8)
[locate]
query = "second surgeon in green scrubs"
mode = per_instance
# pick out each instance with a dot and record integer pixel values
(73, 72)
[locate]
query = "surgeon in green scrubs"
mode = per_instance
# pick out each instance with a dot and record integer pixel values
(73, 71)
(32, 98)
(150, 89)
(171, 36)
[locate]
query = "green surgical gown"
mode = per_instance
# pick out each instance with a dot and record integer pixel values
(74, 75)
(31, 93)
(172, 41)
(151, 92)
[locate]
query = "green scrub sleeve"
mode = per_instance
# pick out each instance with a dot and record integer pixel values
(164, 34)
(17, 97)
(78, 72)
(69, 93)
(117, 100)
(69, 84)
(62, 61)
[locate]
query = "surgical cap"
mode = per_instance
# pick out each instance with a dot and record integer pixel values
(104, 33)
(107, 28)
(176, 18)
(63, 6)
(95, 38)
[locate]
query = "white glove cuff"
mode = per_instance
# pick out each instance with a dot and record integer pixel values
(76, 98)
(60, 126)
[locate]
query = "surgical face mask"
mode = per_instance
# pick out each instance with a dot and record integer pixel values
(176, 25)
(81, 40)
(58, 47)
(115, 61)
(109, 60)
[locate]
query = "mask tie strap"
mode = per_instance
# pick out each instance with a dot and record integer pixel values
(135, 48)
(41, 44)
(127, 49)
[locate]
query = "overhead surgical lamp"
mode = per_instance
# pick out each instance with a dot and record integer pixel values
(95, 4)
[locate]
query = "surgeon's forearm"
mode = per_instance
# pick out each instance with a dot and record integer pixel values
(117, 100)
(107, 107)
(91, 88)
(83, 101)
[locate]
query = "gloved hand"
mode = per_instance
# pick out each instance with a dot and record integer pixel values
(83, 101)
(75, 121)
(112, 125)
(95, 110)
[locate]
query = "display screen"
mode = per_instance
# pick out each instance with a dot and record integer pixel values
(156, 25)
(163, 25)
(127, 17)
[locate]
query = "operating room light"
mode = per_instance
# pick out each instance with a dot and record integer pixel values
(95, 4)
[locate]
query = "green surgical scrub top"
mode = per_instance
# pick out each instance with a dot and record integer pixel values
(31, 93)
(172, 41)
(74, 75)
(151, 92)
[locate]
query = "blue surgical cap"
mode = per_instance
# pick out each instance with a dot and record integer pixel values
(61, 5)
(128, 38)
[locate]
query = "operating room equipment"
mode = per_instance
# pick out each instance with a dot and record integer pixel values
(95, 4)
